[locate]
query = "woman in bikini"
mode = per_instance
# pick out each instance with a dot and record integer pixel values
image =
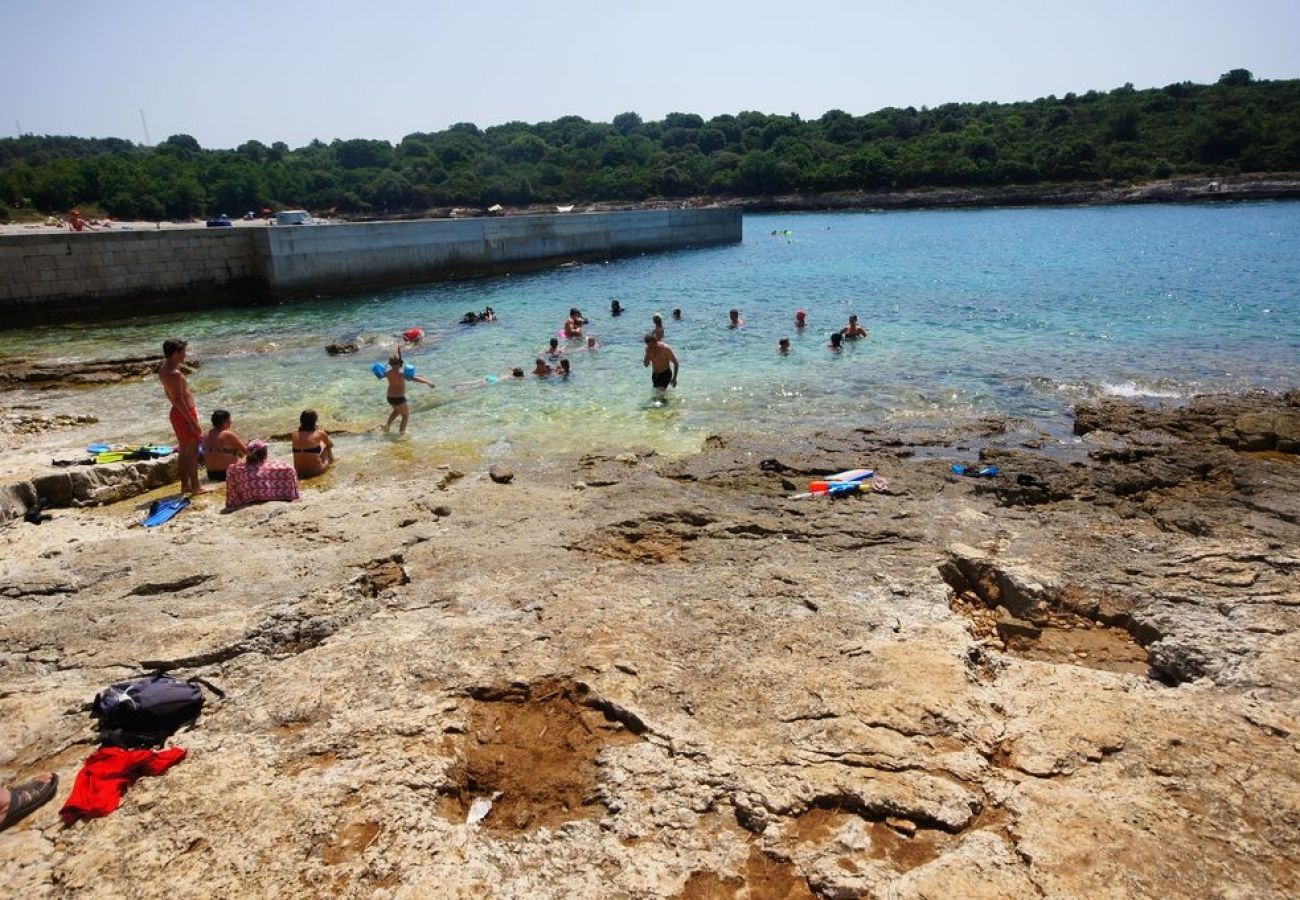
(313, 451)
(221, 446)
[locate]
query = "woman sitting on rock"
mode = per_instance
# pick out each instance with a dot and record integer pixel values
(221, 446)
(313, 451)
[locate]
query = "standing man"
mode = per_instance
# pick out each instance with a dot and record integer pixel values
(663, 362)
(184, 414)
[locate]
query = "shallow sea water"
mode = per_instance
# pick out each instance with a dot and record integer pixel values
(1021, 312)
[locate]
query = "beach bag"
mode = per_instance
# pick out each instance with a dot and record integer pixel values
(145, 713)
(257, 483)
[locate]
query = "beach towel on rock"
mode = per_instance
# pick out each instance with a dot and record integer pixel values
(107, 774)
(255, 483)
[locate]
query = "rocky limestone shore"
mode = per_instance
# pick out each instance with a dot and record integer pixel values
(1076, 679)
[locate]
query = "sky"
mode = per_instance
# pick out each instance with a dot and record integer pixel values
(293, 70)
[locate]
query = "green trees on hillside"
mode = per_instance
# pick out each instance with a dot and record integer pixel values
(1238, 124)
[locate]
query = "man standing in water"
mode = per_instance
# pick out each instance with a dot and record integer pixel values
(184, 414)
(663, 362)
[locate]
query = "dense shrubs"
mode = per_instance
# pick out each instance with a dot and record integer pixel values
(1236, 125)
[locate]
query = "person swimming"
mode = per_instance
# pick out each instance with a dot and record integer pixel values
(553, 349)
(313, 451)
(853, 330)
(837, 340)
(591, 342)
(783, 346)
(800, 319)
(658, 321)
(677, 314)
(562, 370)
(573, 324)
(221, 446)
(615, 308)
(734, 319)
(541, 370)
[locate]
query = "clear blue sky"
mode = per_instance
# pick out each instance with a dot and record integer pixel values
(294, 70)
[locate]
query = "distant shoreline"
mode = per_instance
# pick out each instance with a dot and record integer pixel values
(1234, 188)
(1283, 186)
(1271, 186)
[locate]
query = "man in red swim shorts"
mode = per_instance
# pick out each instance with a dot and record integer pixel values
(184, 414)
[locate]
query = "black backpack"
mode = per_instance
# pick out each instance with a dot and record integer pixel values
(145, 713)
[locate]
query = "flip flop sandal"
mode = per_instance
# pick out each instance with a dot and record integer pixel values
(28, 797)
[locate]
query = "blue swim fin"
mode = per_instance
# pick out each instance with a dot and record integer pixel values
(161, 511)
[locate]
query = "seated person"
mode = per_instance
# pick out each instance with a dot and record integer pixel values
(541, 369)
(221, 446)
(256, 479)
(313, 451)
(853, 330)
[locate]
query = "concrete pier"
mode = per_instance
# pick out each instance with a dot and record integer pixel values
(51, 278)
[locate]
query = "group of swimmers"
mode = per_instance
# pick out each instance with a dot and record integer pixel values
(221, 446)
(472, 318)
(313, 451)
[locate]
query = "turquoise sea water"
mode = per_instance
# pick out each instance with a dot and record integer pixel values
(1022, 311)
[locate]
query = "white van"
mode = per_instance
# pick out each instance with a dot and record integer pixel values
(293, 217)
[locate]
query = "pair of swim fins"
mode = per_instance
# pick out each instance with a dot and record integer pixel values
(129, 454)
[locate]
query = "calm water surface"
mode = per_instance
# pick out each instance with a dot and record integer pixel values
(1022, 312)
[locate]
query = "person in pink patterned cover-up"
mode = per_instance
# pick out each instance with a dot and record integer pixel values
(256, 479)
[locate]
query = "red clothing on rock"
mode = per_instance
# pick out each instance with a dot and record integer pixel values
(107, 773)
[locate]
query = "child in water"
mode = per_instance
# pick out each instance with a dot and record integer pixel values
(836, 340)
(783, 346)
(397, 379)
(736, 320)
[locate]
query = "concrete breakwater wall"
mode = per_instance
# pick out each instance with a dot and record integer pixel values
(49, 278)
